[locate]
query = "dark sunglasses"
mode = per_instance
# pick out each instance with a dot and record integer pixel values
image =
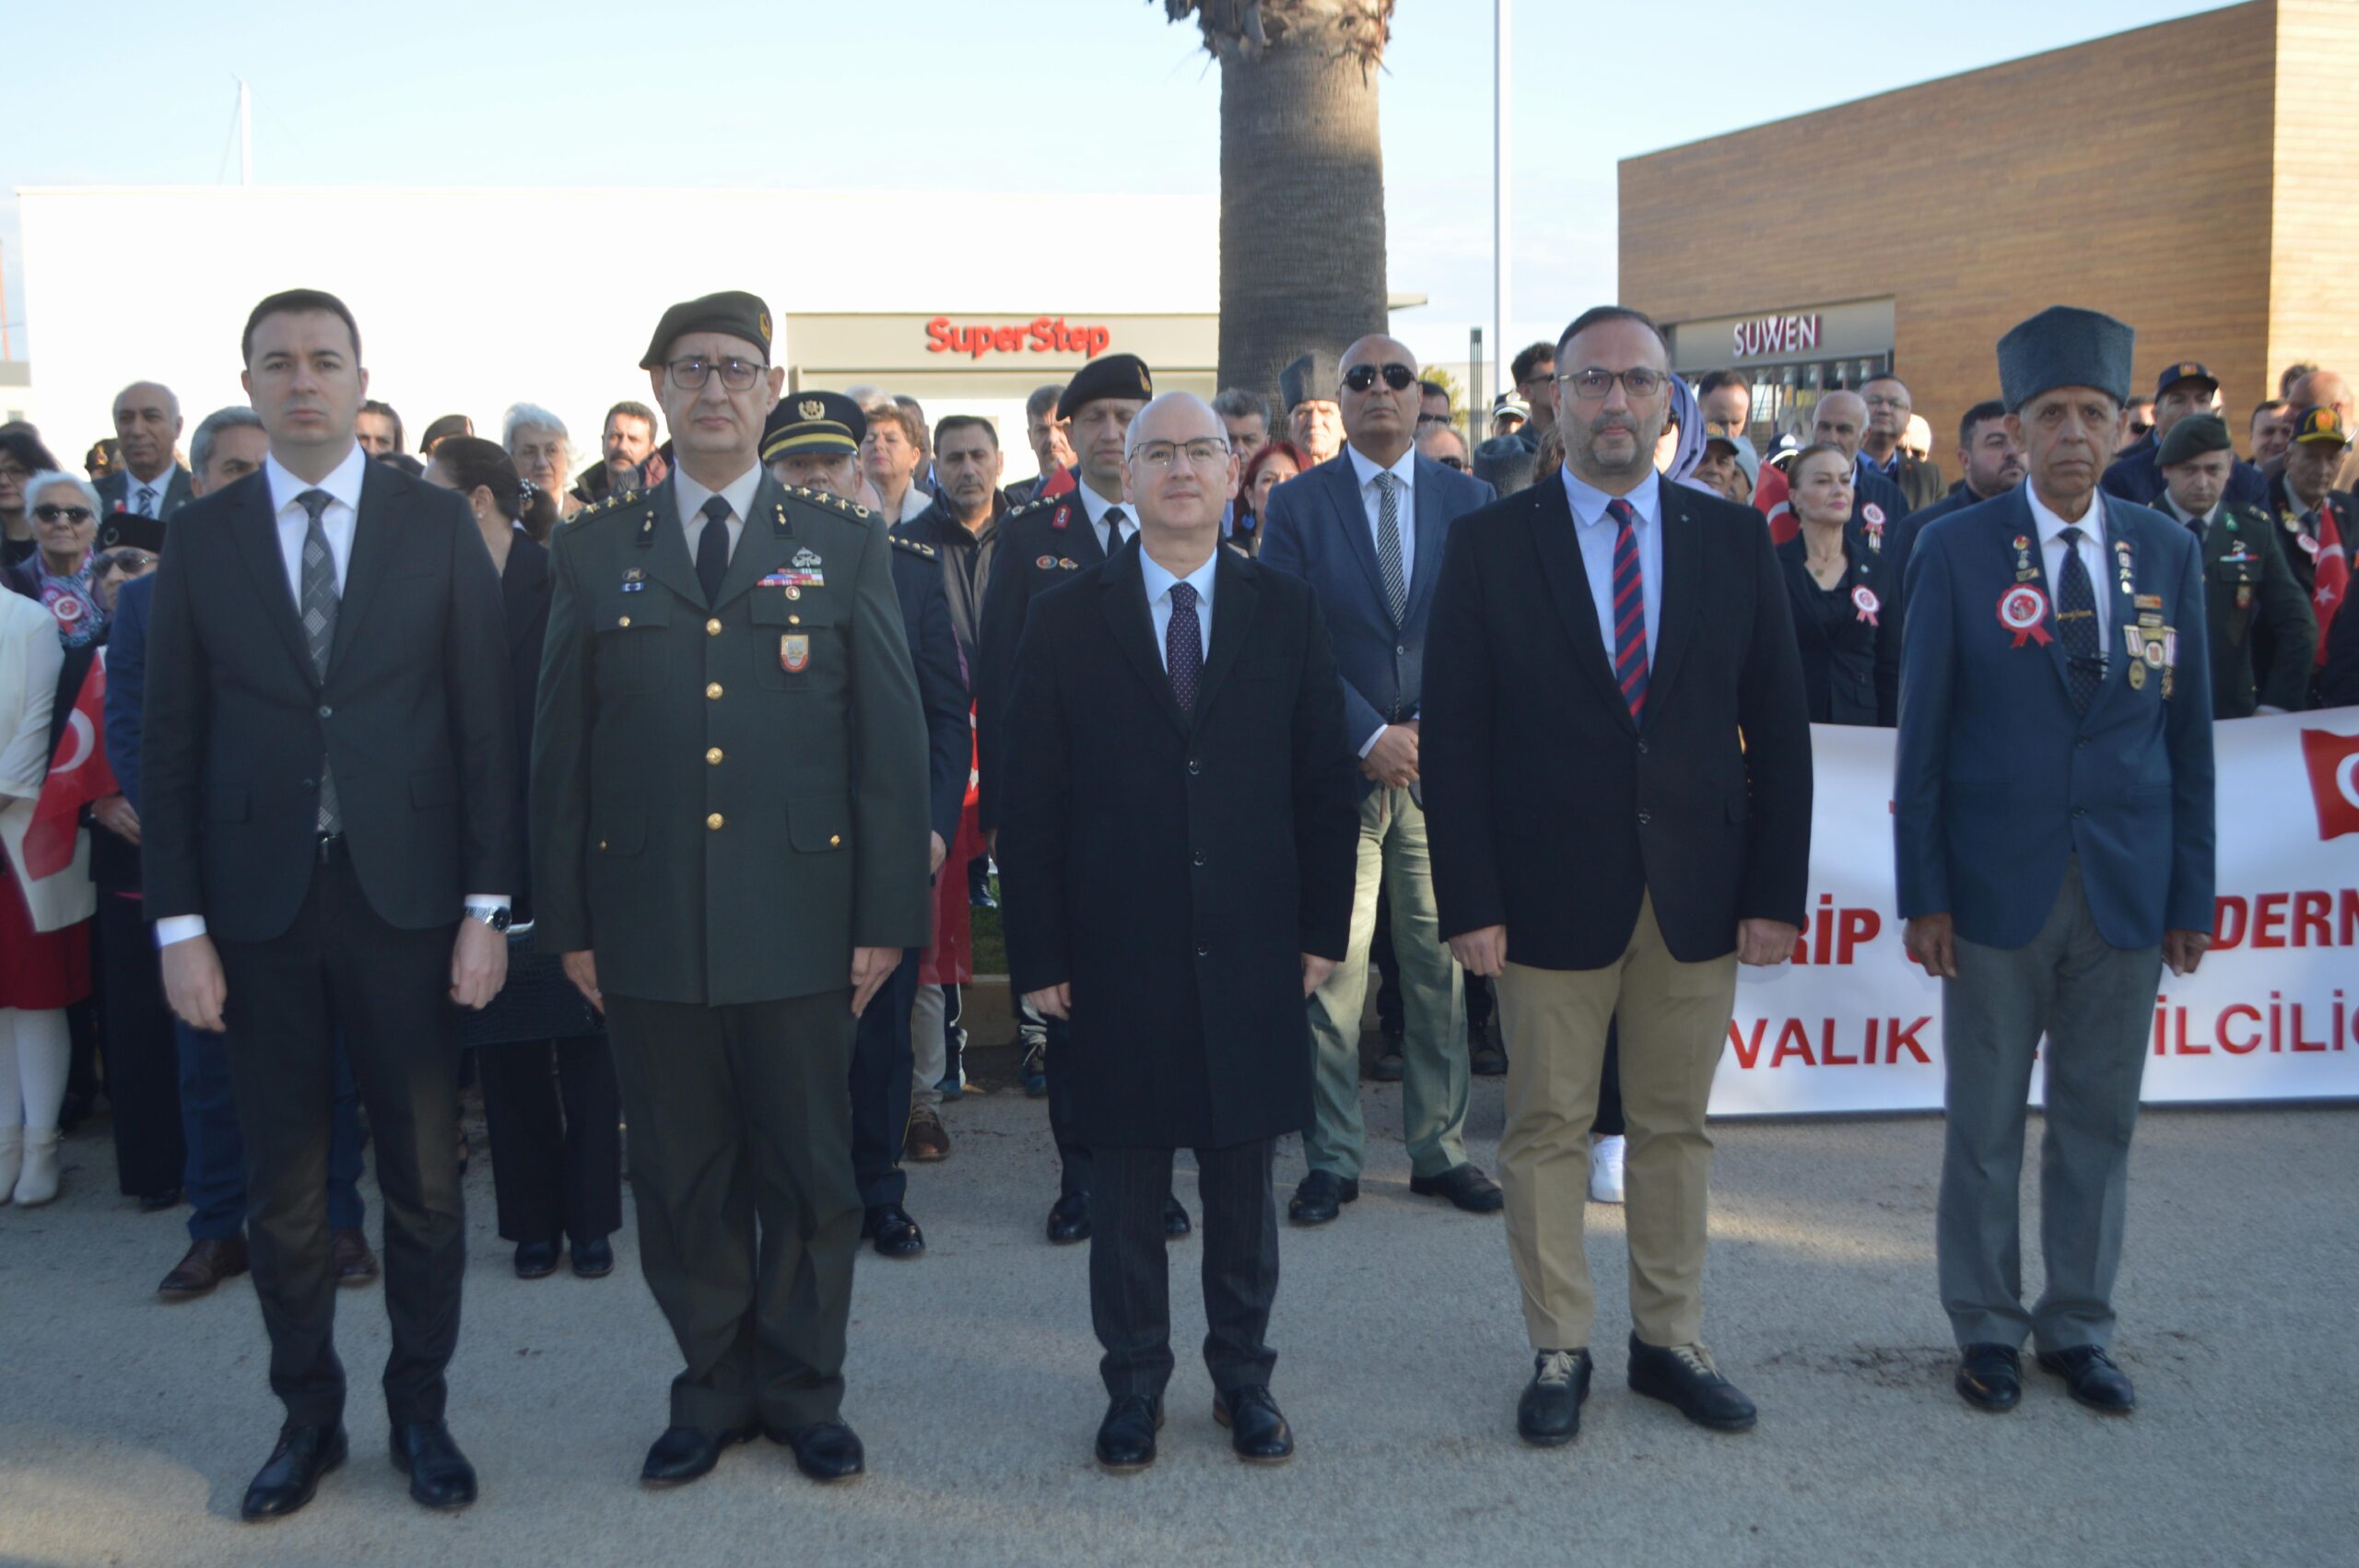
(1400, 378)
(1457, 462)
(2136, 429)
(51, 512)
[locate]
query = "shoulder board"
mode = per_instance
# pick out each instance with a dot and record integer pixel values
(912, 547)
(829, 499)
(614, 500)
(1037, 504)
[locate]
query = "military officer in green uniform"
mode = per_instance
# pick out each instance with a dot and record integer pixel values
(2249, 586)
(729, 849)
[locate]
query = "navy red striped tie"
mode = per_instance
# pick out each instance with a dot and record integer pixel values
(1629, 610)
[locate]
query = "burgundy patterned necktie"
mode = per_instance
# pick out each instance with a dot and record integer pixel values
(1629, 610)
(1184, 647)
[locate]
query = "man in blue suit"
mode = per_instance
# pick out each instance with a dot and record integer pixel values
(2053, 827)
(2184, 389)
(1367, 529)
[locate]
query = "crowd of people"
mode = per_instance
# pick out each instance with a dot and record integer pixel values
(678, 815)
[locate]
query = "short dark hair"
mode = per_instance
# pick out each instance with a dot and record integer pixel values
(1714, 379)
(299, 302)
(1520, 368)
(1240, 403)
(1597, 314)
(26, 449)
(2266, 405)
(953, 423)
(630, 410)
(471, 461)
(1990, 409)
(1043, 400)
(373, 406)
(1428, 386)
(442, 430)
(1888, 376)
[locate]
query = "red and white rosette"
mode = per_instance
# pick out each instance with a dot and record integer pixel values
(2023, 610)
(1864, 599)
(1873, 515)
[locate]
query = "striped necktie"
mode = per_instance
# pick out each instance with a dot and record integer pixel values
(1629, 610)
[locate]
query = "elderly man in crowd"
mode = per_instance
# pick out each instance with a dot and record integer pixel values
(2315, 388)
(1883, 446)
(1840, 418)
(149, 480)
(1314, 419)
(1142, 758)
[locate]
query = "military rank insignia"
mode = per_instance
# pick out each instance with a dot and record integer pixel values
(795, 653)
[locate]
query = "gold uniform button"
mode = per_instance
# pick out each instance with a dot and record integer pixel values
(711, 628)
(795, 620)
(602, 843)
(713, 691)
(624, 622)
(713, 757)
(834, 839)
(714, 822)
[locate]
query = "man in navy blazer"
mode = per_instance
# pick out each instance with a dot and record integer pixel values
(2053, 829)
(1365, 529)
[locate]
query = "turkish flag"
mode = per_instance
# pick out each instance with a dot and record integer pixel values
(79, 774)
(2334, 780)
(2333, 573)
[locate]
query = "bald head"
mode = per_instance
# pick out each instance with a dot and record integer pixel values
(1840, 419)
(1178, 474)
(2324, 389)
(1379, 417)
(147, 423)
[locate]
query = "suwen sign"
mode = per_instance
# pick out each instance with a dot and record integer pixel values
(1776, 335)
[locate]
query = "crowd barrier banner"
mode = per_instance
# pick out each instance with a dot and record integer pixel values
(2272, 1013)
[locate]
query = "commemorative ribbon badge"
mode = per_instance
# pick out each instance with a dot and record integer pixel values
(1865, 598)
(1872, 515)
(2023, 610)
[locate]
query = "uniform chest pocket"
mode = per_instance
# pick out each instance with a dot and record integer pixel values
(796, 641)
(627, 628)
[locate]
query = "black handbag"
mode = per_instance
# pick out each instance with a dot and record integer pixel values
(537, 1003)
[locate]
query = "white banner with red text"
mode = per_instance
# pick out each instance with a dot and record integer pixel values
(2272, 1013)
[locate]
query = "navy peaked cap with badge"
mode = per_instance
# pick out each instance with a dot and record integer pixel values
(1314, 376)
(2065, 346)
(2184, 370)
(2319, 423)
(1115, 375)
(813, 422)
(2194, 437)
(733, 312)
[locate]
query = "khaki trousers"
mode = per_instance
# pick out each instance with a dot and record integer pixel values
(1674, 1021)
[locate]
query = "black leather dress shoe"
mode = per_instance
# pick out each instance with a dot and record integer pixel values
(688, 1453)
(1319, 1197)
(1175, 1223)
(1126, 1438)
(156, 1202)
(1465, 1185)
(593, 1260)
(535, 1260)
(895, 1234)
(284, 1484)
(1257, 1428)
(1549, 1414)
(439, 1476)
(2092, 1379)
(1068, 1219)
(1684, 1377)
(1990, 1376)
(825, 1450)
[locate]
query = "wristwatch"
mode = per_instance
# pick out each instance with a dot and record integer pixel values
(492, 915)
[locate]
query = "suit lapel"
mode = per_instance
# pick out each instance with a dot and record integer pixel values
(1351, 515)
(256, 533)
(662, 545)
(1683, 565)
(767, 543)
(373, 543)
(1122, 597)
(1083, 533)
(2117, 528)
(2015, 523)
(1552, 524)
(1433, 531)
(1236, 592)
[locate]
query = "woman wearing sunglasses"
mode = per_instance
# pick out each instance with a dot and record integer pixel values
(63, 510)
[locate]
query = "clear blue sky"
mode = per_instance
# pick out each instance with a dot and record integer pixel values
(978, 95)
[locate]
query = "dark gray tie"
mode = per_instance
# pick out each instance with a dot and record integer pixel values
(146, 502)
(319, 607)
(2077, 625)
(1114, 521)
(712, 548)
(1388, 545)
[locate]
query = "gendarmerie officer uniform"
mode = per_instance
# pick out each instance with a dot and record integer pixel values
(729, 796)
(2249, 590)
(1041, 544)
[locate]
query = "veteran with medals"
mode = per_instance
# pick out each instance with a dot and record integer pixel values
(2053, 829)
(729, 801)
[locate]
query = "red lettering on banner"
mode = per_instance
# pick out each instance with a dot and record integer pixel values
(1794, 1043)
(2310, 910)
(1838, 932)
(1900, 1037)
(1747, 1051)
(1799, 1046)
(1045, 334)
(2269, 920)
(2228, 922)
(2221, 1030)
(2305, 918)
(1826, 1046)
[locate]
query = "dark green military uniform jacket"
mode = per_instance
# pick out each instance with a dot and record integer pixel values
(2250, 585)
(727, 798)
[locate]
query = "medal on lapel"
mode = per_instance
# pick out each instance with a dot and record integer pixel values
(2121, 554)
(1872, 515)
(2024, 572)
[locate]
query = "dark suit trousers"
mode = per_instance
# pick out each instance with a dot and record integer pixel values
(1064, 1123)
(748, 1216)
(215, 1178)
(557, 1142)
(143, 1066)
(881, 1063)
(1130, 1284)
(340, 968)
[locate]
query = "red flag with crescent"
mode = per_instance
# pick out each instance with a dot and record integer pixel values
(2333, 571)
(79, 774)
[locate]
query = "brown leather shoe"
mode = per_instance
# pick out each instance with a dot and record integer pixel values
(928, 1139)
(206, 1265)
(349, 1256)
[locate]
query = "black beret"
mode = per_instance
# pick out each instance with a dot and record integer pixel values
(1117, 374)
(2193, 436)
(733, 311)
(129, 530)
(813, 422)
(1315, 377)
(2065, 346)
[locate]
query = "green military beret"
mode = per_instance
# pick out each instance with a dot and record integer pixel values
(733, 312)
(2193, 436)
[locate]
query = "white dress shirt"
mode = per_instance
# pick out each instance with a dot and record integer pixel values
(337, 522)
(1158, 602)
(2103, 585)
(1595, 532)
(1096, 505)
(691, 496)
(1364, 469)
(131, 484)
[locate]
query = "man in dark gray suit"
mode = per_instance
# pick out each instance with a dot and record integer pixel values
(151, 481)
(1367, 529)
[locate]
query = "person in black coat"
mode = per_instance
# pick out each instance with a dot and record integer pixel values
(556, 1151)
(1840, 597)
(1178, 843)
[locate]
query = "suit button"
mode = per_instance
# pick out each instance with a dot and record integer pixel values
(602, 843)
(1642, 748)
(624, 622)
(711, 628)
(1402, 650)
(2081, 744)
(1204, 949)
(326, 711)
(1194, 768)
(715, 821)
(308, 783)
(1644, 819)
(1198, 857)
(713, 691)
(713, 757)
(2080, 810)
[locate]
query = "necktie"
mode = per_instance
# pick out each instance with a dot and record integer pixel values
(1388, 545)
(1184, 647)
(147, 501)
(1629, 610)
(712, 548)
(2076, 624)
(1114, 521)
(319, 607)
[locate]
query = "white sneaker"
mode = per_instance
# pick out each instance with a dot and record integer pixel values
(38, 1182)
(1606, 1171)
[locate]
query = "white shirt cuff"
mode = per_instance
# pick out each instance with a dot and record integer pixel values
(1369, 744)
(500, 899)
(178, 927)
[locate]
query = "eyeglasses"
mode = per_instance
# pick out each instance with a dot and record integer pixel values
(1457, 462)
(1203, 452)
(1883, 401)
(1400, 378)
(51, 512)
(1594, 385)
(2137, 428)
(1426, 419)
(124, 560)
(736, 375)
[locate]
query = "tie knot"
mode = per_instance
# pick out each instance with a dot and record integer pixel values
(1622, 512)
(1114, 518)
(2072, 536)
(315, 502)
(1386, 482)
(1184, 596)
(716, 507)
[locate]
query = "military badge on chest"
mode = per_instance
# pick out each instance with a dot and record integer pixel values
(795, 653)
(1872, 520)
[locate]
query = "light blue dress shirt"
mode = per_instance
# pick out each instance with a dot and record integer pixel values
(1595, 532)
